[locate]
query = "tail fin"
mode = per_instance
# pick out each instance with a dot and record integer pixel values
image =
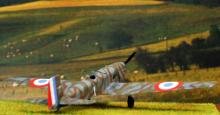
(53, 96)
(53, 84)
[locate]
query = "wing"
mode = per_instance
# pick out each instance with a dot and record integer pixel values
(14, 82)
(144, 87)
(23, 81)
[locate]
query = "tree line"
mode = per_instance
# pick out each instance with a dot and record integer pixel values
(209, 3)
(11, 2)
(202, 52)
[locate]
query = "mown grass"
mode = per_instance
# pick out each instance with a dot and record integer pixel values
(45, 30)
(116, 108)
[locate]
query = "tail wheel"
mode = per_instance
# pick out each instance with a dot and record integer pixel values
(130, 102)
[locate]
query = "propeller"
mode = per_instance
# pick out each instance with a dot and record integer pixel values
(129, 58)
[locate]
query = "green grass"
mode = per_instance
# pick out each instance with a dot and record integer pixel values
(45, 29)
(116, 108)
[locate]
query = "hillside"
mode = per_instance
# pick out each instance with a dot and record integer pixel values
(153, 47)
(58, 34)
(43, 4)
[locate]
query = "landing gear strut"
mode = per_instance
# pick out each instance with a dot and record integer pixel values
(130, 101)
(57, 110)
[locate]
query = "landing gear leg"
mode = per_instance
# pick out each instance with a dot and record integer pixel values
(58, 109)
(130, 101)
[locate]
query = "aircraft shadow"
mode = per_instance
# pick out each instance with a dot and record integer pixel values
(106, 106)
(77, 108)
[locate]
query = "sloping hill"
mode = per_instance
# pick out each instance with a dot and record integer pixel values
(41, 4)
(59, 34)
(154, 47)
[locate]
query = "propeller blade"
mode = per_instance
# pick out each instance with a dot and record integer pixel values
(130, 57)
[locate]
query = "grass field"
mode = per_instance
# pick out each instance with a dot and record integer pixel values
(116, 108)
(42, 35)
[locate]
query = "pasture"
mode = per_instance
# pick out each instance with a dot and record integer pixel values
(116, 108)
(61, 34)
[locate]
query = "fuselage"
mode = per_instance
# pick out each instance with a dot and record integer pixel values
(94, 84)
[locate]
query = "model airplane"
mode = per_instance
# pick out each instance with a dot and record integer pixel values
(106, 81)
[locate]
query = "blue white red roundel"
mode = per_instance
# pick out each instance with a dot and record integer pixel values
(166, 86)
(39, 82)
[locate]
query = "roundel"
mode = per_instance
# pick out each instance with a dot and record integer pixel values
(39, 82)
(166, 86)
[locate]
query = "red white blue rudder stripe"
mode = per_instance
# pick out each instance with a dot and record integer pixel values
(51, 84)
(53, 101)
(167, 86)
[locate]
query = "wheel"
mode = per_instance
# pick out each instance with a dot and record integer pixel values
(130, 102)
(57, 110)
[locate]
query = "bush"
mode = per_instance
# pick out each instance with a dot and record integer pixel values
(119, 38)
(209, 3)
(146, 61)
(12, 2)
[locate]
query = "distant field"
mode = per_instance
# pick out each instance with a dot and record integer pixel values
(76, 3)
(116, 108)
(60, 34)
(72, 71)
(154, 47)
